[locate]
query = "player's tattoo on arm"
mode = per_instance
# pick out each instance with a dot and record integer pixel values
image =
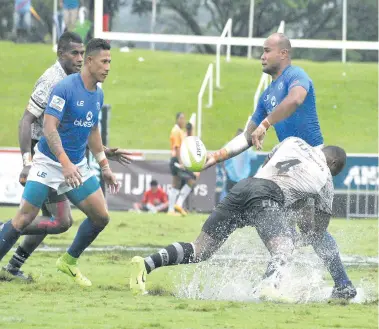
(55, 143)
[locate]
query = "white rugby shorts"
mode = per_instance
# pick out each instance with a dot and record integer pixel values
(48, 172)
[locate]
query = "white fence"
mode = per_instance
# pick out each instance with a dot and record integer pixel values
(227, 32)
(216, 40)
(362, 203)
(208, 80)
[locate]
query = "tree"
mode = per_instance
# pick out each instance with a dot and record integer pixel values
(304, 19)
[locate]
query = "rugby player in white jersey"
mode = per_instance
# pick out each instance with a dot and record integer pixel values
(295, 176)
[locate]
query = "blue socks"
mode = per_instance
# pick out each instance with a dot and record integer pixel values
(327, 250)
(8, 237)
(86, 234)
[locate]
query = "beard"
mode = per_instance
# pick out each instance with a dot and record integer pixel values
(271, 70)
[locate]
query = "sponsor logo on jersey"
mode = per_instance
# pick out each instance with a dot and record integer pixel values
(86, 124)
(81, 123)
(57, 103)
(280, 87)
(39, 96)
(273, 101)
(80, 103)
(266, 98)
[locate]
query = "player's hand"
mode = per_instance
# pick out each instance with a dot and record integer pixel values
(111, 181)
(258, 136)
(120, 155)
(211, 161)
(72, 175)
(24, 175)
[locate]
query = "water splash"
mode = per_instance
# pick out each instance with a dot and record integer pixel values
(234, 273)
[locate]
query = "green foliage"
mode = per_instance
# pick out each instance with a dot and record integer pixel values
(310, 19)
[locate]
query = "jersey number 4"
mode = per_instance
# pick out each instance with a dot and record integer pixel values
(284, 166)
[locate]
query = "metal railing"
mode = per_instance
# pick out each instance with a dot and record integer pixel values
(226, 33)
(208, 81)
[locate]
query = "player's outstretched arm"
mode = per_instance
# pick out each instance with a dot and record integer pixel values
(236, 146)
(71, 172)
(95, 145)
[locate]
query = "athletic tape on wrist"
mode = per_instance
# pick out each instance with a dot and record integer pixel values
(102, 160)
(265, 124)
(100, 156)
(237, 144)
(105, 166)
(27, 159)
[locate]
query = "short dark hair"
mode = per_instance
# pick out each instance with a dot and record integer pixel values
(178, 115)
(65, 40)
(189, 126)
(95, 45)
(337, 155)
(154, 182)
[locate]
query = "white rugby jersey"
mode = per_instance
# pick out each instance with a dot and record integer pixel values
(300, 170)
(40, 96)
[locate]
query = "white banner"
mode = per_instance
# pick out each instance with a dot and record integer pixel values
(10, 168)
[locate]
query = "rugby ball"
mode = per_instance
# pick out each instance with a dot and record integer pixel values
(193, 153)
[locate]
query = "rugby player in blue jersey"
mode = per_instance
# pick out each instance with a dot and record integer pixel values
(70, 124)
(289, 105)
(56, 213)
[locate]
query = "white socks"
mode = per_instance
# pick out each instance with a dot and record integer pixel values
(172, 195)
(184, 193)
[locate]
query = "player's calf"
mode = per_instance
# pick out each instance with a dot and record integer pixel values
(176, 253)
(326, 248)
(11, 230)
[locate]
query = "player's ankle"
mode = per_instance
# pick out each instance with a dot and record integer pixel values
(176, 253)
(69, 259)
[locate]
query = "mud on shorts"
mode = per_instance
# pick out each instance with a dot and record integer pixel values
(251, 202)
(181, 173)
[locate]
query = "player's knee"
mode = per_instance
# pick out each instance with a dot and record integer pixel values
(101, 220)
(65, 222)
(24, 217)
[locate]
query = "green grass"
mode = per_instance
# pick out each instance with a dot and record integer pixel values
(146, 95)
(130, 229)
(53, 301)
